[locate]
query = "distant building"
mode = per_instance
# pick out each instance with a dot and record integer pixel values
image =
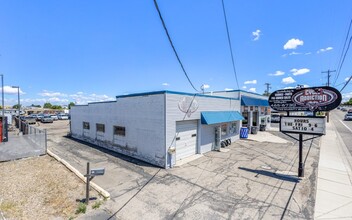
(159, 127)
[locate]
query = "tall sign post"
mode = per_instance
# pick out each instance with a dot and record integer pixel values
(312, 99)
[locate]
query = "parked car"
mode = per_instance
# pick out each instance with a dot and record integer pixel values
(348, 117)
(275, 118)
(30, 120)
(62, 117)
(343, 109)
(39, 117)
(54, 117)
(349, 110)
(46, 119)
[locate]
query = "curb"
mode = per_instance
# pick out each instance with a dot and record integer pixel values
(100, 190)
(347, 158)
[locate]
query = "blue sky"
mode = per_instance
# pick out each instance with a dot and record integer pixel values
(83, 51)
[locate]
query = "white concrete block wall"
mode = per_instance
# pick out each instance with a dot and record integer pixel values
(150, 122)
(205, 103)
(143, 118)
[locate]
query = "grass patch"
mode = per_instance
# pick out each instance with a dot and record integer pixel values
(97, 204)
(82, 208)
(7, 206)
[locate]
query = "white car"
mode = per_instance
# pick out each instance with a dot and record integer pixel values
(62, 117)
(348, 117)
(54, 117)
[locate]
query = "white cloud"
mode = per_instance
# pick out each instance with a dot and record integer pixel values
(289, 87)
(228, 89)
(346, 96)
(302, 71)
(205, 86)
(165, 84)
(324, 49)
(294, 53)
(308, 53)
(256, 35)
(288, 80)
(293, 44)
(244, 87)
(347, 78)
(46, 93)
(82, 98)
(252, 89)
(11, 91)
(251, 82)
(277, 73)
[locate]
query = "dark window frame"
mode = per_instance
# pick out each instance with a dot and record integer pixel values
(119, 130)
(100, 127)
(86, 125)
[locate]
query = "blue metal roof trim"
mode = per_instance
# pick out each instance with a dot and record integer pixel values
(216, 117)
(249, 101)
(173, 92)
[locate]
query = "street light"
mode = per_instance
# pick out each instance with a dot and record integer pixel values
(3, 108)
(19, 107)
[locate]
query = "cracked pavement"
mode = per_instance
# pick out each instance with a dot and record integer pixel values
(239, 184)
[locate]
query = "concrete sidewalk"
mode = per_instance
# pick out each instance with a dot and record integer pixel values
(334, 187)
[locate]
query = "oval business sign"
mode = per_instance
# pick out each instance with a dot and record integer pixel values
(305, 99)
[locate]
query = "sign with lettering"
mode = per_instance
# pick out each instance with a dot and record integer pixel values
(322, 98)
(303, 125)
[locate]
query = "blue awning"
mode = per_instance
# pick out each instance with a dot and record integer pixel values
(250, 101)
(209, 118)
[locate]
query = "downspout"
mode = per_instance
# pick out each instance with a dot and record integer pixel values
(166, 150)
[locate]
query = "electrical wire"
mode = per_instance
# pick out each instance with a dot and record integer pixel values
(344, 56)
(346, 83)
(172, 45)
(343, 49)
(229, 40)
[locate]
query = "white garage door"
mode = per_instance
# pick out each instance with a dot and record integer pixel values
(186, 139)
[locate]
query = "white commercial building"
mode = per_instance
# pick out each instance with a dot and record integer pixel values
(254, 108)
(159, 127)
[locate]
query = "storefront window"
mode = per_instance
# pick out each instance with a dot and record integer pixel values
(224, 129)
(233, 128)
(245, 120)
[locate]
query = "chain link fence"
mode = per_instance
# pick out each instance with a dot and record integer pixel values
(32, 142)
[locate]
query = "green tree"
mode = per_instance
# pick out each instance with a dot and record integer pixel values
(349, 102)
(47, 105)
(16, 106)
(56, 107)
(70, 105)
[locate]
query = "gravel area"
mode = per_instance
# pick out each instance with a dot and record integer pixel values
(39, 188)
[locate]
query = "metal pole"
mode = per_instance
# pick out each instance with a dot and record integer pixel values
(87, 186)
(301, 164)
(3, 108)
(19, 108)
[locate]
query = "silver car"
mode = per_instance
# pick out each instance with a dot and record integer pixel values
(47, 119)
(348, 117)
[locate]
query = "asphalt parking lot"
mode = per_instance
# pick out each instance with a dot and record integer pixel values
(247, 180)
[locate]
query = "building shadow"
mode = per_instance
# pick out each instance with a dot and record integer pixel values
(113, 153)
(288, 178)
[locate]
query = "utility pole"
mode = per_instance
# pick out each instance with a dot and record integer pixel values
(267, 89)
(328, 84)
(329, 75)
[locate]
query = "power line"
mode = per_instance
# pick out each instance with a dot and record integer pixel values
(172, 45)
(344, 56)
(343, 49)
(346, 83)
(229, 40)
